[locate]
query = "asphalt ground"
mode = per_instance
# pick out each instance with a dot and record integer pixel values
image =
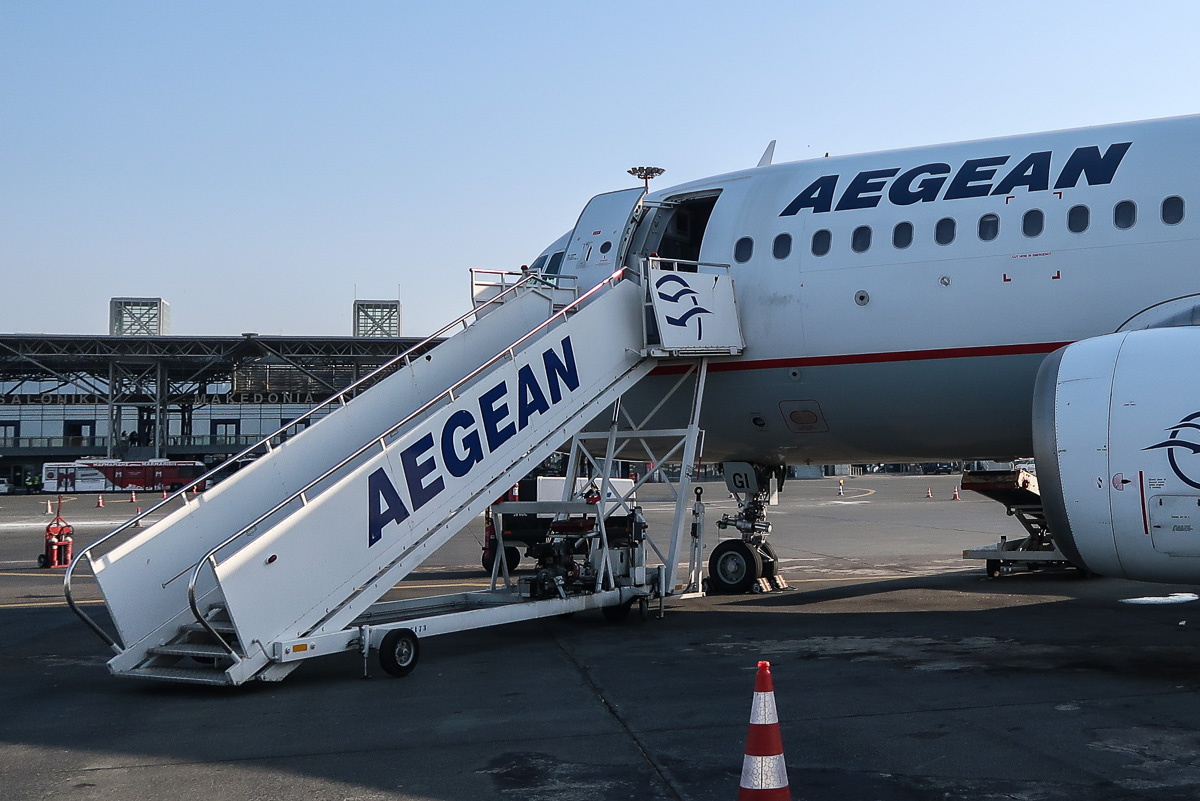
(901, 672)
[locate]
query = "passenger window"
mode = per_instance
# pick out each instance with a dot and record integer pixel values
(1033, 223)
(820, 242)
(1078, 219)
(943, 234)
(1124, 214)
(782, 248)
(860, 240)
(989, 227)
(743, 250)
(902, 235)
(1172, 210)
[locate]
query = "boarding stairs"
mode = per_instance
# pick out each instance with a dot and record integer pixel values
(301, 542)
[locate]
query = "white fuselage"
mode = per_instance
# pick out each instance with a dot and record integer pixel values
(931, 350)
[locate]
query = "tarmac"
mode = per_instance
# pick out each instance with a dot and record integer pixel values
(900, 671)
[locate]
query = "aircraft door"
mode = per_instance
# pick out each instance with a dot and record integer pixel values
(601, 237)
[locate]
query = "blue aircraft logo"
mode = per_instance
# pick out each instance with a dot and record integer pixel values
(1173, 443)
(683, 291)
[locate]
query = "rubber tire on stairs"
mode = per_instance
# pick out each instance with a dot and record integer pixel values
(399, 652)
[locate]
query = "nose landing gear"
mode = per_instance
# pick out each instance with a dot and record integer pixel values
(737, 565)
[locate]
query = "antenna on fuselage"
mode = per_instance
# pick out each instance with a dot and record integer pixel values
(768, 155)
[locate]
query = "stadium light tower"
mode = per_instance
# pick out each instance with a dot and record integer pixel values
(646, 173)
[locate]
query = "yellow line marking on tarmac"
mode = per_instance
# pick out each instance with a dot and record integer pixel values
(33, 604)
(873, 576)
(436, 586)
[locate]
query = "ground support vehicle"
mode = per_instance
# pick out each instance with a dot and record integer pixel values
(525, 530)
(1018, 491)
(114, 475)
(288, 558)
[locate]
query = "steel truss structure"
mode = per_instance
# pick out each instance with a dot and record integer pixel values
(157, 378)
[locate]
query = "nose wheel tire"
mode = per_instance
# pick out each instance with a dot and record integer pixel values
(770, 563)
(734, 567)
(399, 652)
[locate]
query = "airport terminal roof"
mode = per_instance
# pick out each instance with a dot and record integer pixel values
(42, 357)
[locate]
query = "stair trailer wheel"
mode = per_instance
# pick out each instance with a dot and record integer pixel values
(399, 652)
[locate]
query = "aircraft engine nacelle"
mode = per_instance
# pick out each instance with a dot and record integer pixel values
(1117, 440)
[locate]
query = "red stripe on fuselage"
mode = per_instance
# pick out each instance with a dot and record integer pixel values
(873, 358)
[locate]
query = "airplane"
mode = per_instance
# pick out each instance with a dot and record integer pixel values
(974, 301)
(969, 301)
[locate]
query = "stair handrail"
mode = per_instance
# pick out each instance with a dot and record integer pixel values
(529, 281)
(509, 352)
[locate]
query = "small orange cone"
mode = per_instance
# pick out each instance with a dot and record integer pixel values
(929, 492)
(100, 501)
(132, 496)
(48, 511)
(956, 492)
(764, 774)
(137, 523)
(164, 493)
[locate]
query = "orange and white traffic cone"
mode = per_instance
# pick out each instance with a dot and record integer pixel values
(764, 774)
(841, 487)
(929, 492)
(164, 493)
(132, 496)
(100, 501)
(956, 492)
(137, 523)
(48, 511)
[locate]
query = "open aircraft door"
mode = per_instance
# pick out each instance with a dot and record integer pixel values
(601, 237)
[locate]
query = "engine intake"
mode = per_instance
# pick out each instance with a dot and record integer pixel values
(1116, 434)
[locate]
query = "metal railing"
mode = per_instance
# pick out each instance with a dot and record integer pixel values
(485, 284)
(382, 440)
(532, 281)
(685, 265)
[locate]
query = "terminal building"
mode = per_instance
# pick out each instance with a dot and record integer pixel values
(139, 393)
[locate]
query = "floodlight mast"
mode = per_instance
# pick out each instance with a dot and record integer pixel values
(646, 173)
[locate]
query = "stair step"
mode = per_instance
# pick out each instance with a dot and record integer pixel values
(191, 649)
(219, 626)
(184, 675)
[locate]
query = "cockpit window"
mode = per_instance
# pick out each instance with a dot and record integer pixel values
(538, 264)
(555, 263)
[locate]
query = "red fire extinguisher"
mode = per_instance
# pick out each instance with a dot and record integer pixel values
(60, 542)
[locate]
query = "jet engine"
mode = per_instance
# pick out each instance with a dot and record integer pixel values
(1116, 434)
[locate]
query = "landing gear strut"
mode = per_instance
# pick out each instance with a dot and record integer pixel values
(736, 565)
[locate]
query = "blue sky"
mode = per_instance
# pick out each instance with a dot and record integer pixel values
(257, 164)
